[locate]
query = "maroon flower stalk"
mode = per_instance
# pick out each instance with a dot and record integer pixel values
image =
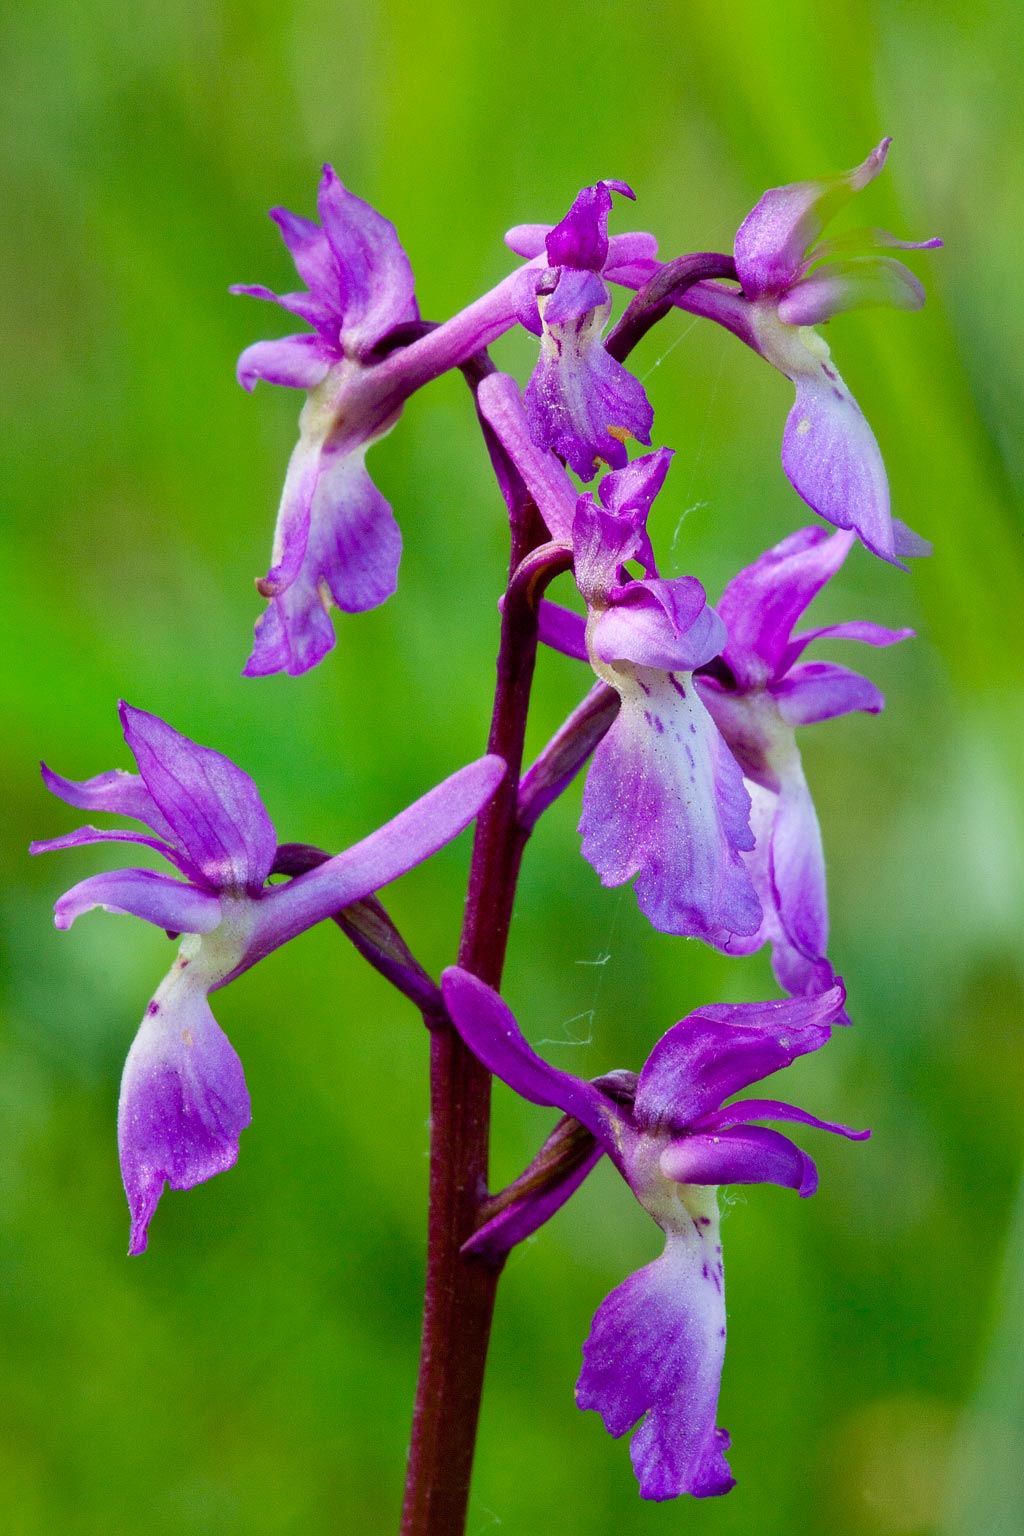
(460, 1288)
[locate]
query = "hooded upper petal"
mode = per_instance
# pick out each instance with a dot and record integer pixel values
(183, 1104)
(715, 1051)
(297, 362)
(823, 690)
(858, 282)
(376, 288)
(212, 806)
(750, 1154)
(774, 238)
(581, 239)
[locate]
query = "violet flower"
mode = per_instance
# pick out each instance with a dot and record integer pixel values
(579, 401)
(757, 692)
(336, 542)
(791, 282)
(657, 1343)
(184, 1101)
(664, 798)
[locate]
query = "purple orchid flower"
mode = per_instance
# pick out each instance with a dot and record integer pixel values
(579, 401)
(336, 542)
(657, 1343)
(757, 692)
(664, 798)
(184, 1100)
(791, 282)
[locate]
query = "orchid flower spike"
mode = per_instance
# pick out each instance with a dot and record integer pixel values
(664, 798)
(184, 1100)
(579, 401)
(657, 1343)
(758, 691)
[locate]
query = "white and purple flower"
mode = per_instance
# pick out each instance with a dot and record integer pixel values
(792, 281)
(657, 1343)
(184, 1100)
(336, 542)
(579, 401)
(758, 691)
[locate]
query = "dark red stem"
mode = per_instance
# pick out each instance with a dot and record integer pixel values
(460, 1290)
(658, 296)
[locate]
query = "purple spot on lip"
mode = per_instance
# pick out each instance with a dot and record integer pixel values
(658, 726)
(838, 393)
(648, 717)
(644, 686)
(152, 1009)
(704, 1271)
(829, 373)
(677, 685)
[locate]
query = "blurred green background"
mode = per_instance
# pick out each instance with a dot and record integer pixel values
(254, 1372)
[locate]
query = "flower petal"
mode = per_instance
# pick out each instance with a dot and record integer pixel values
(580, 401)
(85, 835)
(563, 630)
(117, 792)
(751, 1155)
(170, 904)
(298, 362)
(762, 603)
(403, 842)
(602, 543)
(321, 316)
(501, 406)
(581, 239)
(183, 1102)
(777, 233)
(349, 557)
(376, 283)
(798, 921)
(630, 492)
(822, 690)
(859, 282)
(663, 624)
(829, 452)
(489, 1028)
(744, 1111)
(719, 1050)
(314, 261)
(664, 800)
(212, 806)
(854, 629)
(656, 1347)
